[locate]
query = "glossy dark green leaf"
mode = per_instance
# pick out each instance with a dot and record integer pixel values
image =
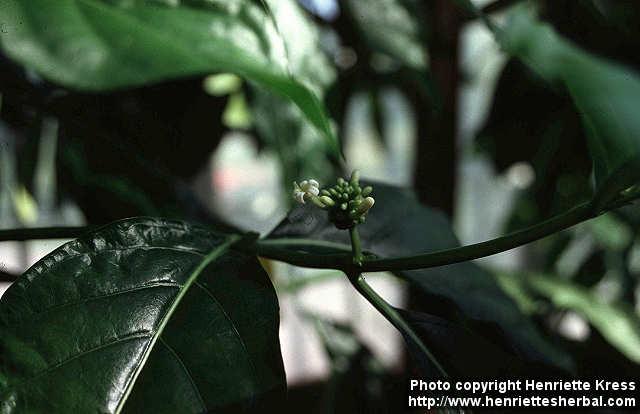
(144, 315)
(458, 348)
(103, 45)
(399, 226)
(607, 96)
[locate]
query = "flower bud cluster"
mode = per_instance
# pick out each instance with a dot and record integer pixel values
(346, 202)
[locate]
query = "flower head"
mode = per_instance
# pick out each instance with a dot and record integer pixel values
(346, 202)
(308, 188)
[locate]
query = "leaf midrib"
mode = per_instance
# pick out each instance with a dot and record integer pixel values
(208, 259)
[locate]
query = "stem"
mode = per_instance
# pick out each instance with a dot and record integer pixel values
(390, 313)
(436, 154)
(355, 245)
(487, 248)
(300, 242)
(338, 261)
(360, 284)
(43, 233)
(498, 6)
(7, 277)
(343, 261)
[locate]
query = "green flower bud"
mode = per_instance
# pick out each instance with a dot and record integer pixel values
(327, 201)
(355, 178)
(318, 202)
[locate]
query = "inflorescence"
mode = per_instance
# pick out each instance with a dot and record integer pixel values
(346, 202)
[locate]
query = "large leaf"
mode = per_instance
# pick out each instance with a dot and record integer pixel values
(399, 226)
(144, 315)
(102, 45)
(457, 348)
(605, 94)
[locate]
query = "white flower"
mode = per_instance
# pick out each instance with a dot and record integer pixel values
(365, 206)
(307, 188)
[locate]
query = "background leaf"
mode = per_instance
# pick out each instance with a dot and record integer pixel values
(391, 27)
(102, 45)
(605, 94)
(79, 323)
(617, 322)
(464, 293)
(458, 349)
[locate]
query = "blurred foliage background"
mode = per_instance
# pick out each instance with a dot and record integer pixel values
(420, 95)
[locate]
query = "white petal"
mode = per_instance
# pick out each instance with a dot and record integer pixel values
(366, 204)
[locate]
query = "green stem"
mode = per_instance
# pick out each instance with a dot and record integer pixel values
(302, 243)
(391, 314)
(280, 249)
(7, 277)
(487, 248)
(442, 257)
(43, 233)
(338, 261)
(342, 261)
(355, 246)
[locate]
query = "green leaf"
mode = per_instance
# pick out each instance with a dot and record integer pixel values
(390, 27)
(605, 94)
(458, 349)
(279, 123)
(398, 225)
(617, 322)
(144, 315)
(102, 45)
(281, 126)
(301, 41)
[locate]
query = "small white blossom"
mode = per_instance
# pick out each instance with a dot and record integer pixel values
(309, 188)
(366, 204)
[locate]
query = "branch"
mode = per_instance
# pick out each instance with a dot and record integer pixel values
(389, 312)
(43, 233)
(7, 277)
(498, 6)
(572, 217)
(340, 260)
(583, 212)
(392, 315)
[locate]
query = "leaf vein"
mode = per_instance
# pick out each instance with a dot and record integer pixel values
(57, 365)
(186, 371)
(235, 330)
